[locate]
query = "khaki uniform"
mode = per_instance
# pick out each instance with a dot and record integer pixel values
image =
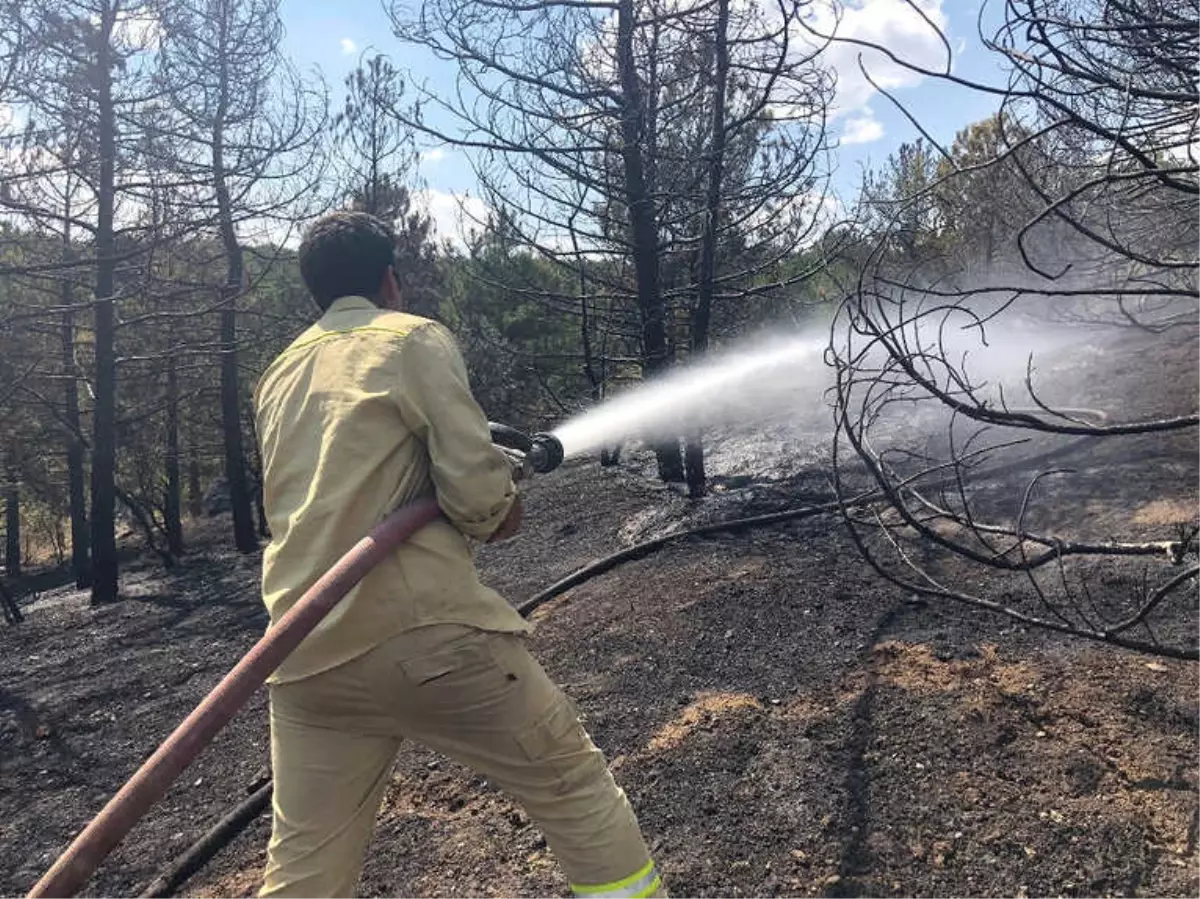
(364, 412)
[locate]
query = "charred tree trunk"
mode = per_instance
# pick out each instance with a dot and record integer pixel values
(195, 500)
(256, 472)
(77, 500)
(8, 602)
(643, 228)
(231, 423)
(707, 275)
(104, 417)
(172, 502)
(12, 525)
(264, 529)
(693, 462)
(231, 417)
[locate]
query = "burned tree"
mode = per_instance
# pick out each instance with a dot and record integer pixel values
(248, 139)
(1091, 158)
(664, 157)
(85, 91)
(548, 92)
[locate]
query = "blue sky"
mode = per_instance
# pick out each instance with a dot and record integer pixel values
(332, 37)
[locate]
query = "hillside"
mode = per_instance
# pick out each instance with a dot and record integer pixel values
(784, 722)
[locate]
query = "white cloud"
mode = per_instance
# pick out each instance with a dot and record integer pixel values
(893, 24)
(437, 154)
(348, 46)
(454, 215)
(862, 129)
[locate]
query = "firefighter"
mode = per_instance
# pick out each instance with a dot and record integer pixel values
(366, 411)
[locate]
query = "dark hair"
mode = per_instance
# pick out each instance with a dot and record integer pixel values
(346, 254)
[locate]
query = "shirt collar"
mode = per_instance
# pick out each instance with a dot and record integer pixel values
(346, 304)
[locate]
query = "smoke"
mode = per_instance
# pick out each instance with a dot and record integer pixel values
(976, 351)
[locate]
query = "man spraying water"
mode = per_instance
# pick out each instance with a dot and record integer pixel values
(367, 410)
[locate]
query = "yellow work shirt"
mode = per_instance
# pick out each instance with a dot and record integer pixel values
(367, 410)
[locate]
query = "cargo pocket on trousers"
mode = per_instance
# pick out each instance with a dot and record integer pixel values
(558, 741)
(464, 656)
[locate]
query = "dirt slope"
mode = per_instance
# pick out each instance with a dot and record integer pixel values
(784, 722)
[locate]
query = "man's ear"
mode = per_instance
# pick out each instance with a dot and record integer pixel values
(389, 290)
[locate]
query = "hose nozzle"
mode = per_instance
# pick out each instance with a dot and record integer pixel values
(543, 452)
(546, 453)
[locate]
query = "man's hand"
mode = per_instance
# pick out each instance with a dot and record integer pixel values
(521, 468)
(511, 523)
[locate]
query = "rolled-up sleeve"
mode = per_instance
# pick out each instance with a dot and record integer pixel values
(473, 479)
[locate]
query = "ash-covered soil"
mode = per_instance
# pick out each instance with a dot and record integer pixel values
(785, 722)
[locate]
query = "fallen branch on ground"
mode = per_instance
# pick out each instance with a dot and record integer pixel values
(641, 550)
(216, 839)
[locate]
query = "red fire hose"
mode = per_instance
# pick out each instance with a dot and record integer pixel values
(152, 780)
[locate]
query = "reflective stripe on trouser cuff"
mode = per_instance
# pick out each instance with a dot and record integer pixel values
(645, 882)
